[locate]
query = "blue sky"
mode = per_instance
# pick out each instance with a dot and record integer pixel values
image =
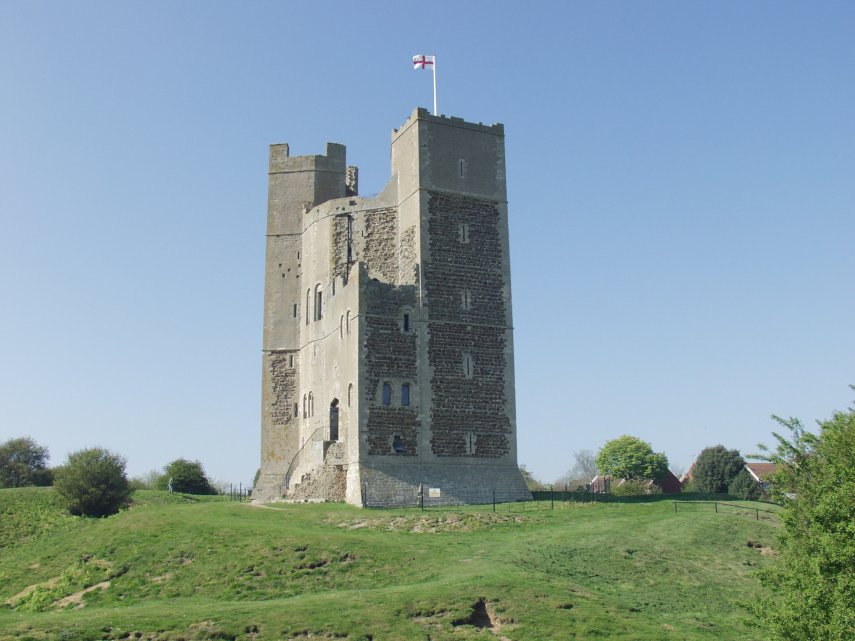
(681, 183)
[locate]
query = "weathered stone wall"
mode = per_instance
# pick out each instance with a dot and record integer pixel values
(390, 356)
(283, 381)
(464, 282)
(381, 255)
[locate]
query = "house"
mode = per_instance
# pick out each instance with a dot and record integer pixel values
(761, 472)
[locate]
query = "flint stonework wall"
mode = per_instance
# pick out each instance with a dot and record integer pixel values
(462, 404)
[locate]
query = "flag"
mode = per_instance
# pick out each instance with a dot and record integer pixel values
(422, 62)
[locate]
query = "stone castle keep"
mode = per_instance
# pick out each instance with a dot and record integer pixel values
(388, 360)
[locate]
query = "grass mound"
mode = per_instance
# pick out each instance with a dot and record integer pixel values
(175, 567)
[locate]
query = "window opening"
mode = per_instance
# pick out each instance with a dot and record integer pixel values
(311, 404)
(347, 322)
(462, 165)
(350, 395)
(290, 360)
(405, 394)
(334, 420)
(468, 366)
(319, 300)
(296, 410)
(463, 232)
(387, 394)
(308, 299)
(469, 442)
(341, 326)
(295, 310)
(397, 444)
(305, 407)
(406, 322)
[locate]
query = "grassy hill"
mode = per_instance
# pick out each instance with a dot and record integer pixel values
(175, 567)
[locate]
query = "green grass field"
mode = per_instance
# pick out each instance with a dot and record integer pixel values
(174, 567)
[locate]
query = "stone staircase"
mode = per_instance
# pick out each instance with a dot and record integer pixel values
(326, 482)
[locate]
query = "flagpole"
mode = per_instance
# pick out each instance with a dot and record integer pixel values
(434, 86)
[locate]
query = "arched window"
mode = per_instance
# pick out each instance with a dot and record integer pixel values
(308, 300)
(347, 322)
(305, 407)
(387, 394)
(334, 420)
(405, 394)
(341, 327)
(350, 395)
(311, 404)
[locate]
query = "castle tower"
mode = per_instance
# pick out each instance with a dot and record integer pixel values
(388, 373)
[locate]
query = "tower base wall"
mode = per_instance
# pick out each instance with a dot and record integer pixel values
(441, 483)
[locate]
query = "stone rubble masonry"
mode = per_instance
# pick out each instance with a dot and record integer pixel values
(408, 289)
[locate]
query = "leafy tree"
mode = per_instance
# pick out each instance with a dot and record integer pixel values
(93, 482)
(187, 476)
(23, 462)
(631, 458)
(813, 579)
(716, 467)
(743, 486)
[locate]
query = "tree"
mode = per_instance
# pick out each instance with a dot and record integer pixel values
(584, 465)
(23, 462)
(187, 476)
(813, 579)
(715, 468)
(631, 458)
(93, 482)
(530, 482)
(743, 486)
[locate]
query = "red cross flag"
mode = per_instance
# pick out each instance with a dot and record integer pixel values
(423, 62)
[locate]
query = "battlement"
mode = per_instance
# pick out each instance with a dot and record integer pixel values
(334, 160)
(420, 113)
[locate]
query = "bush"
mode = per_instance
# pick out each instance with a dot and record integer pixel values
(812, 582)
(93, 482)
(23, 462)
(743, 486)
(187, 477)
(715, 468)
(633, 488)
